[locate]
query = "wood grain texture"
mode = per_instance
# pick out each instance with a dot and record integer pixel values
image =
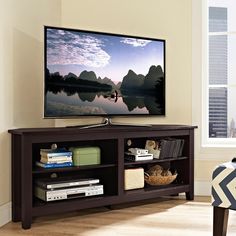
(162, 217)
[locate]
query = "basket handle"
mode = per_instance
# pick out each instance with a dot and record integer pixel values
(146, 175)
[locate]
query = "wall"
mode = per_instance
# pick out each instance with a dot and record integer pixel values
(165, 19)
(21, 76)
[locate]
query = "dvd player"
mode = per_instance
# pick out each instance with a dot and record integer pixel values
(56, 183)
(138, 157)
(61, 194)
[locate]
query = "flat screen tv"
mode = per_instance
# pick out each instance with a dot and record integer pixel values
(102, 74)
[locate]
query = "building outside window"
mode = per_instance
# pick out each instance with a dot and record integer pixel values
(221, 86)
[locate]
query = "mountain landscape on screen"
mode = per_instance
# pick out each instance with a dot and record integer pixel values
(129, 80)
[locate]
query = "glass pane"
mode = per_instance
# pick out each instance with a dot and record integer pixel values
(222, 59)
(218, 45)
(217, 113)
(231, 59)
(221, 14)
(222, 112)
(217, 19)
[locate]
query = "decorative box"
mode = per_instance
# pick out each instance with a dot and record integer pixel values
(86, 156)
(134, 178)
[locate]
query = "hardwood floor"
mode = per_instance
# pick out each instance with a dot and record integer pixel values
(163, 217)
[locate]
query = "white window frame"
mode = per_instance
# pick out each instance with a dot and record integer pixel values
(206, 141)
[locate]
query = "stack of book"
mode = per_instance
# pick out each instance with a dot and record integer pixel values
(53, 158)
(171, 148)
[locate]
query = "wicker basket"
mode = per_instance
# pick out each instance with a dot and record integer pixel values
(156, 175)
(159, 179)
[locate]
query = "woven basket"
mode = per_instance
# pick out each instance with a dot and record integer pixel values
(159, 179)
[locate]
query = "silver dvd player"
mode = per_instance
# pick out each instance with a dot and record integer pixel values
(68, 193)
(65, 183)
(138, 157)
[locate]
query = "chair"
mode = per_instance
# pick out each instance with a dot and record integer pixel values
(223, 196)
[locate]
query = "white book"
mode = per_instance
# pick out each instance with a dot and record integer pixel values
(56, 160)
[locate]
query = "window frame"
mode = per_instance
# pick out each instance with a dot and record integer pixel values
(206, 140)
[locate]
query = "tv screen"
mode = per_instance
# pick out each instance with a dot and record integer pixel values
(92, 73)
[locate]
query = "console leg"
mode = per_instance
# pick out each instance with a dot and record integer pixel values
(189, 195)
(110, 207)
(26, 224)
(220, 221)
(16, 213)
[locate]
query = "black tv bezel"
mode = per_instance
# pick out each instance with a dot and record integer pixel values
(101, 115)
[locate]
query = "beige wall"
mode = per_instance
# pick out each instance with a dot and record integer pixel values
(21, 72)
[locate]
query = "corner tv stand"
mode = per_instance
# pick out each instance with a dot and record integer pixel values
(112, 140)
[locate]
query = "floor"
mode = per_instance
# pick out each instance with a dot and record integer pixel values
(162, 217)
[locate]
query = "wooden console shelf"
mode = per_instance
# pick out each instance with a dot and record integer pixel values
(112, 140)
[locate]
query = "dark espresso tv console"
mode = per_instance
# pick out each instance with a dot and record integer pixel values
(112, 140)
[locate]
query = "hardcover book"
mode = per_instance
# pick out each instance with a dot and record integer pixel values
(53, 165)
(55, 152)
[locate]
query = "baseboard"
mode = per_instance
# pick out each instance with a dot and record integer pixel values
(5, 213)
(202, 188)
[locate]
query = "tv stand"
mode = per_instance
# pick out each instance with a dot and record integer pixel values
(113, 142)
(108, 122)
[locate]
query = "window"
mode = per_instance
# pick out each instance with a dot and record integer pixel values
(221, 86)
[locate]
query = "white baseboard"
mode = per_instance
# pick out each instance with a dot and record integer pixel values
(5, 214)
(202, 188)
